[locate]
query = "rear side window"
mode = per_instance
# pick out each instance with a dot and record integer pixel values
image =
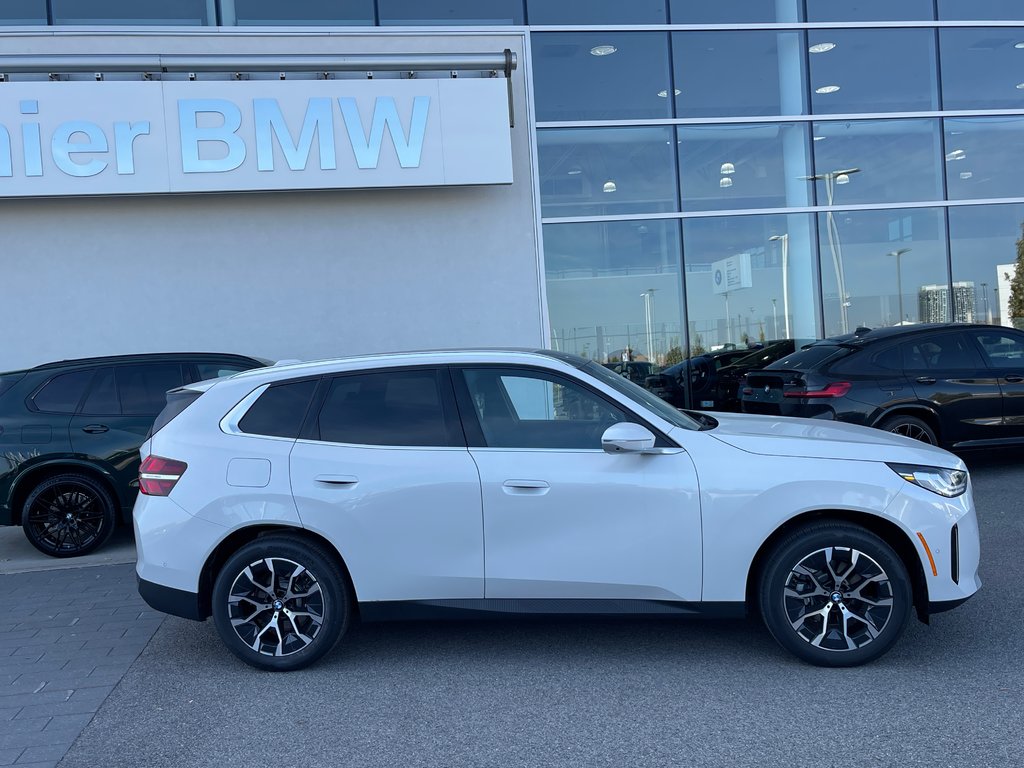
(388, 408)
(810, 358)
(63, 393)
(886, 361)
(102, 398)
(144, 388)
(280, 411)
(949, 352)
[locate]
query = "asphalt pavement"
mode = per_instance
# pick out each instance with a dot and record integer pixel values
(592, 693)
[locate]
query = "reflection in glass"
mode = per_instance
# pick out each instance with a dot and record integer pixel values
(877, 161)
(596, 12)
(744, 166)
(594, 171)
(872, 70)
(23, 12)
(982, 157)
(983, 248)
(301, 12)
(1006, 10)
(440, 12)
(749, 279)
(180, 13)
(724, 74)
(614, 290)
(982, 68)
(882, 268)
(870, 10)
(734, 11)
(601, 75)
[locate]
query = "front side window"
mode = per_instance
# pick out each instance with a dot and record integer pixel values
(532, 409)
(1002, 349)
(143, 388)
(63, 393)
(401, 408)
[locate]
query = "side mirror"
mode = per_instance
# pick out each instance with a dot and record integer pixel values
(626, 437)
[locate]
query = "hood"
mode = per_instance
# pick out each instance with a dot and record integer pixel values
(817, 438)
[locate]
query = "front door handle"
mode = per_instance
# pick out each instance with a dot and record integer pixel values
(337, 480)
(924, 380)
(96, 429)
(525, 487)
(1013, 378)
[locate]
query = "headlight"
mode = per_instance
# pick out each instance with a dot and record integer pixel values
(945, 482)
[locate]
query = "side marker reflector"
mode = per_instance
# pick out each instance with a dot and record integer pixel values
(931, 560)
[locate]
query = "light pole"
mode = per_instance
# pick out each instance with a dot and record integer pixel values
(899, 278)
(647, 319)
(831, 179)
(784, 240)
(988, 307)
(728, 319)
(775, 321)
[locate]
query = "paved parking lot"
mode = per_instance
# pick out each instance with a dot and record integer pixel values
(520, 693)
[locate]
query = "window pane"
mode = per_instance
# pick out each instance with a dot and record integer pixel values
(734, 11)
(614, 289)
(593, 171)
(417, 12)
(63, 393)
(143, 388)
(1001, 349)
(280, 410)
(102, 398)
(773, 294)
(724, 74)
(744, 166)
(888, 264)
(870, 10)
(855, 70)
(23, 12)
(533, 410)
(395, 408)
(998, 10)
(596, 12)
(305, 12)
(983, 247)
(181, 12)
(601, 75)
(982, 154)
(982, 68)
(877, 161)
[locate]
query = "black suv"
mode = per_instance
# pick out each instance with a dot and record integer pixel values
(70, 434)
(700, 371)
(954, 385)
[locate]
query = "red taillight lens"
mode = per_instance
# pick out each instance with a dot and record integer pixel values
(158, 476)
(837, 389)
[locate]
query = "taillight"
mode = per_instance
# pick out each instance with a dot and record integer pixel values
(158, 476)
(836, 389)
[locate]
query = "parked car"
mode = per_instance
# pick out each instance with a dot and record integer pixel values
(69, 438)
(284, 502)
(726, 392)
(699, 371)
(635, 371)
(954, 385)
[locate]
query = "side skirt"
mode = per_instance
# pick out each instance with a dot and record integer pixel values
(498, 608)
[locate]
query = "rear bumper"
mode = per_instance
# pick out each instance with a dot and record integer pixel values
(176, 602)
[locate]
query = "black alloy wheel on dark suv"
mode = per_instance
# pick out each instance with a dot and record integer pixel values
(954, 385)
(70, 434)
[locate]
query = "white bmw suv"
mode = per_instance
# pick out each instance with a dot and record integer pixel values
(287, 501)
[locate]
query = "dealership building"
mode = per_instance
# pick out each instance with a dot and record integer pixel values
(316, 178)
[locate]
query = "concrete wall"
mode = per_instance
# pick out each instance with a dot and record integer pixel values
(280, 275)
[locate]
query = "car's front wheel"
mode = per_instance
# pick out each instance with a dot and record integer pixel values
(835, 595)
(280, 603)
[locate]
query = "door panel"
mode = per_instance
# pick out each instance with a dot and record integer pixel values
(1003, 351)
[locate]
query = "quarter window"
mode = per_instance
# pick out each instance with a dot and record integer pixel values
(280, 411)
(63, 393)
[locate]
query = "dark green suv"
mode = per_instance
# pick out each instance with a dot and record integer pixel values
(70, 434)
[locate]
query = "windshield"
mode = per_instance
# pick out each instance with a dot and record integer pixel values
(808, 358)
(641, 396)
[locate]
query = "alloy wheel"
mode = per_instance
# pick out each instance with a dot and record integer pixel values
(67, 517)
(913, 431)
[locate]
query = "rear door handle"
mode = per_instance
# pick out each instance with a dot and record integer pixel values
(924, 380)
(337, 480)
(1013, 378)
(96, 429)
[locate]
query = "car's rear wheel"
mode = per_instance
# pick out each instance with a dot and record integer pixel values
(835, 595)
(68, 516)
(910, 426)
(280, 603)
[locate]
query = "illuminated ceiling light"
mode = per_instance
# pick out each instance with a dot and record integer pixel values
(820, 138)
(965, 175)
(725, 182)
(609, 186)
(821, 47)
(1019, 86)
(727, 168)
(603, 50)
(664, 93)
(842, 178)
(1019, 45)
(827, 89)
(574, 171)
(956, 154)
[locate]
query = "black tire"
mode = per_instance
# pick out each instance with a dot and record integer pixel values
(296, 562)
(68, 515)
(910, 426)
(840, 624)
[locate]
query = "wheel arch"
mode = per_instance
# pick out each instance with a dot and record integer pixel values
(923, 412)
(885, 529)
(28, 479)
(249, 533)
